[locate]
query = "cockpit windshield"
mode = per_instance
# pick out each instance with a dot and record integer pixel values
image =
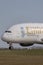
(8, 31)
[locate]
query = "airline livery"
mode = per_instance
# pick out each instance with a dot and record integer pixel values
(25, 34)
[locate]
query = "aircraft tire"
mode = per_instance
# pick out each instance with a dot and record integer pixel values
(9, 48)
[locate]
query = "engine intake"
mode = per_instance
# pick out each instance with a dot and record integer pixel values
(24, 44)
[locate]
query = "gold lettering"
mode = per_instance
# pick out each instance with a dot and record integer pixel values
(34, 31)
(27, 28)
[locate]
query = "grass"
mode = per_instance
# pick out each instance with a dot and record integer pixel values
(21, 57)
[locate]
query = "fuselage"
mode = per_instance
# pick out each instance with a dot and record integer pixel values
(24, 33)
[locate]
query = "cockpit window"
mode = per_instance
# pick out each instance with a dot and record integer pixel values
(8, 31)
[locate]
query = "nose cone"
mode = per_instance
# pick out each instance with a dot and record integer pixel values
(3, 37)
(7, 37)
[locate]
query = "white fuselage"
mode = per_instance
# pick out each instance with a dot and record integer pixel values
(24, 33)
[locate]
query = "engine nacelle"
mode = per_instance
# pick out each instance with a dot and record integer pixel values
(25, 44)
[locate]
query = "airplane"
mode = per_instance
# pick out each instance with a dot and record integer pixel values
(26, 34)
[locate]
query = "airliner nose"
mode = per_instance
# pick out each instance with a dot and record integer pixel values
(3, 37)
(6, 37)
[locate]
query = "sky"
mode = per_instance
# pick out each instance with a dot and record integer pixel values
(19, 11)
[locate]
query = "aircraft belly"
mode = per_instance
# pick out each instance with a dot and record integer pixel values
(31, 38)
(26, 39)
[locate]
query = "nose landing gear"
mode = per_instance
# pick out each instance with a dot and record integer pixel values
(10, 45)
(10, 48)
